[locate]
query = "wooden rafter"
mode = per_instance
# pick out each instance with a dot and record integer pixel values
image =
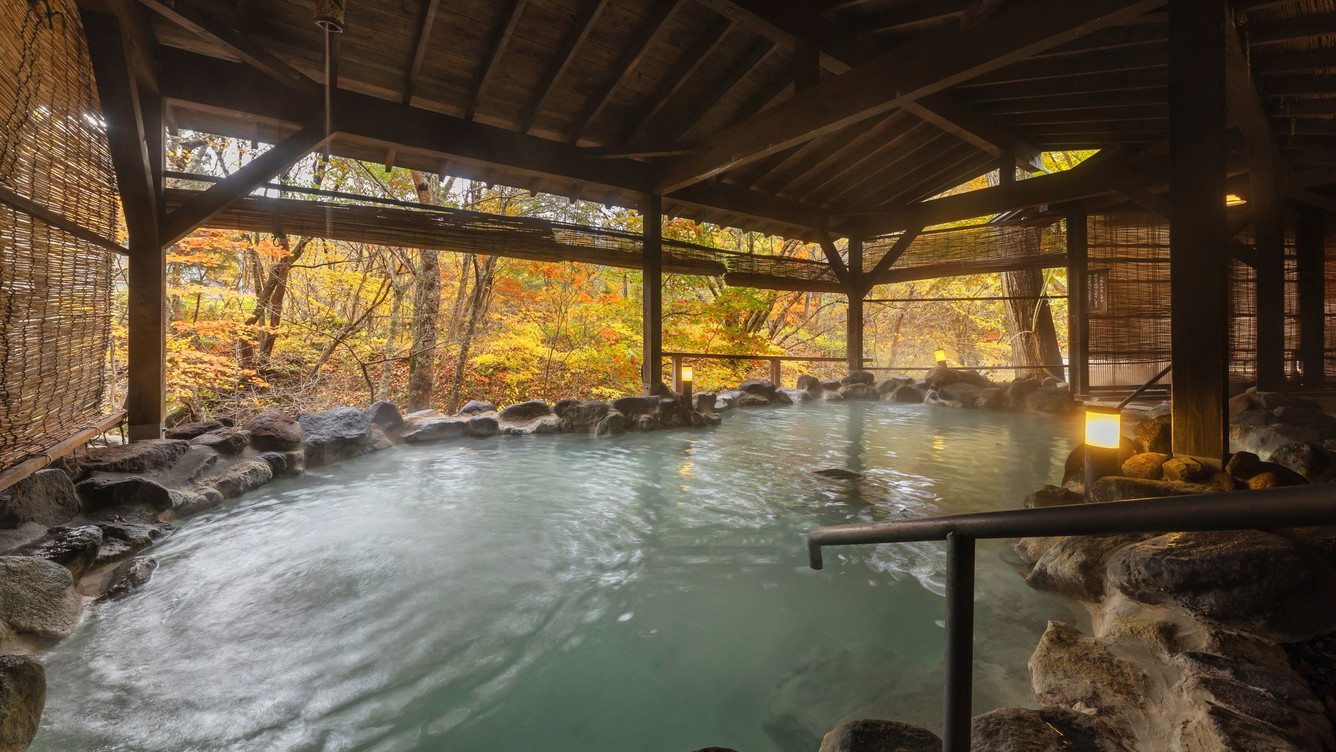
(929, 64)
(235, 42)
(837, 264)
(584, 24)
(635, 52)
(674, 79)
(420, 49)
(888, 259)
(495, 50)
(755, 55)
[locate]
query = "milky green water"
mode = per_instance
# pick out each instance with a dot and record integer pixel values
(646, 593)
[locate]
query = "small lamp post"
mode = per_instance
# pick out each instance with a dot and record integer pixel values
(1103, 435)
(687, 373)
(940, 355)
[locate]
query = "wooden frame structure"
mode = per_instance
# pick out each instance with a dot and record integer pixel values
(814, 120)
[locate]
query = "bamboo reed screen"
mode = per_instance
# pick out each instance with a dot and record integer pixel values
(54, 289)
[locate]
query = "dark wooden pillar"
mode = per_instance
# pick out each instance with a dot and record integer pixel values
(1197, 236)
(856, 291)
(1310, 248)
(133, 112)
(1078, 303)
(651, 209)
(1269, 229)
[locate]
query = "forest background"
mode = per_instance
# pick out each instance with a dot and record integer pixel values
(260, 320)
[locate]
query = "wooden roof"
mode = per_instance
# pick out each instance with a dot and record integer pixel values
(764, 114)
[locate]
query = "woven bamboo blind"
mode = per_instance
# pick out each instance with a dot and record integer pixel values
(54, 288)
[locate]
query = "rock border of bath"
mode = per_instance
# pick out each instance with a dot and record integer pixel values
(78, 530)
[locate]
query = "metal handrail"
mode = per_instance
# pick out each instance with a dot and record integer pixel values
(1149, 383)
(1296, 506)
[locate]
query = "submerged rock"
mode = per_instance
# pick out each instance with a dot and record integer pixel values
(875, 735)
(22, 698)
(46, 497)
(130, 576)
(838, 473)
(37, 598)
(123, 539)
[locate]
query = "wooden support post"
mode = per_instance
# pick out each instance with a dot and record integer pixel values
(677, 374)
(133, 112)
(651, 209)
(776, 366)
(1078, 303)
(1310, 247)
(1269, 230)
(1197, 240)
(853, 329)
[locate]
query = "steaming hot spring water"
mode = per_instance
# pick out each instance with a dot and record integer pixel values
(649, 592)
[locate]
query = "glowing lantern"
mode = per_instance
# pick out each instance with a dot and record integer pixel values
(687, 373)
(1234, 199)
(940, 355)
(1103, 427)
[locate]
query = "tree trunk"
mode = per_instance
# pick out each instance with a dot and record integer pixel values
(482, 290)
(1034, 340)
(426, 308)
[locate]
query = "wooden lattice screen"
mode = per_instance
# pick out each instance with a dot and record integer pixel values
(55, 289)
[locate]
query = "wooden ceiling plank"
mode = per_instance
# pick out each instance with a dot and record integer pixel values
(420, 49)
(910, 72)
(583, 25)
(751, 60)
(235, 42)
(635, 53)
(675, 79)
(500, 40)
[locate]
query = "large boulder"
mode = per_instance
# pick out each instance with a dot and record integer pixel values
(794, 396)
(962, 391)
(244, 476)
(224, 440)
(670, 414)
(37, 598)
(1311, 461)
(46, 497)
(74, 548)
(752, 399)
(1050, 399)
(1265, 440)
(762, 387)
(875, 735)
(384, 414)
(809, 383)
(613, 423)
(333, 435)
(940, 376)
(631, 406)
(1121, 488)
(22, 698)
(1019, 390)
(274, 430)
(431, 425)
(189, 431)
(1074, 565)
(482, 426)
(1249, 580)
(858, 391)
(1042, 730)
(907, 393)
(1069, 670)
(580, 415)
(121, 540)
(1249, 707)
(859, 377)
(135, 457)
(100, 492)
(473, 407)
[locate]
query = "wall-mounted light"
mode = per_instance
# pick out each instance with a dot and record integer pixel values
(940, 355)
(1234, 199)
(1103, 436)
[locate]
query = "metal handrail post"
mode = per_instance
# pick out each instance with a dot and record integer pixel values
(957, 707)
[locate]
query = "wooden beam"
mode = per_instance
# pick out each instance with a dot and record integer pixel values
(132, 115)
(583, 25)
(1078, 302)
(751, 59)
(239, 184)
(234, 42)
(1199, 280)
(1303, 27)
(942, 112)
(634, 54)
(674, 80)
(888, 260)
(1246, 110)
(651, 211)
(1310, 250)
(837, 264)
(908, 73)
(500, 40)
(853, 322)
(420, 49)
(33, 209)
